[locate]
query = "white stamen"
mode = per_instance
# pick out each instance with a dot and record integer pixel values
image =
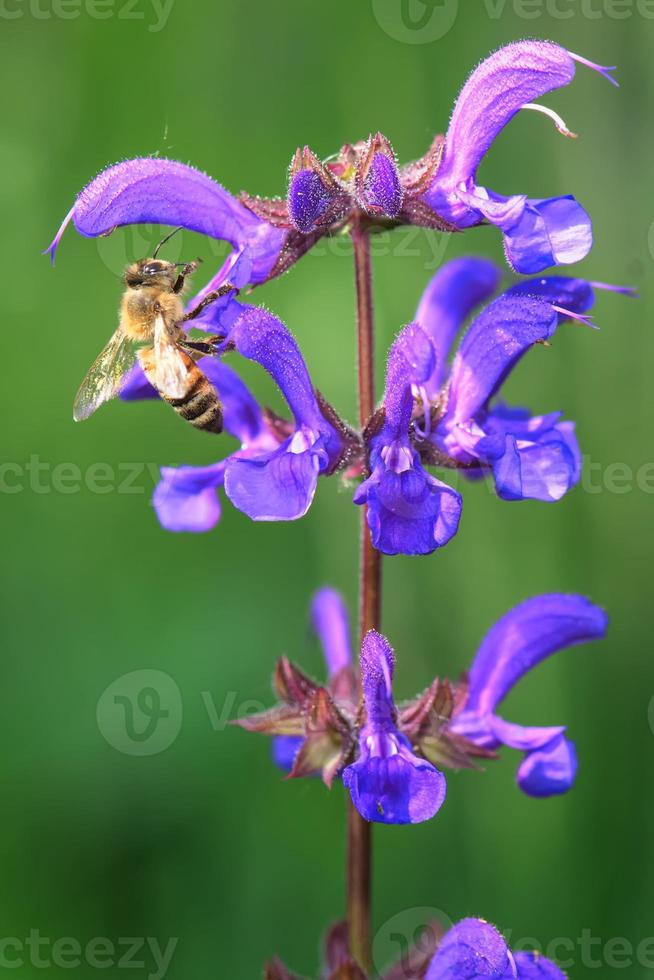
(554, 116)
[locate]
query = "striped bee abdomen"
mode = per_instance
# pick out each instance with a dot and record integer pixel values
(200, 405)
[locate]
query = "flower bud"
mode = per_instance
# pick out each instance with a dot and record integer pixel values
(314, 195)
(308, 199)
(379, 189)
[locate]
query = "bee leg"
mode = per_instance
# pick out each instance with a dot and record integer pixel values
(208, 299)
(187, 270)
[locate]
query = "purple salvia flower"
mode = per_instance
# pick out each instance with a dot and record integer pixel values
(531, 457)
(330, 622)
(170, 193)
(537, 233)
(516, 644)
(388, 783)
(473, 949)
(280, 484)
(271, 477)
(409, 511)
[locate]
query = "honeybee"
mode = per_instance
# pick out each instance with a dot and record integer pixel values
(152, 314)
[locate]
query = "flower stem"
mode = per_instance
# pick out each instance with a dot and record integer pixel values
(359, 830)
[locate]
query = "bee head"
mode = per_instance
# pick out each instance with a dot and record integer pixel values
(151, 272)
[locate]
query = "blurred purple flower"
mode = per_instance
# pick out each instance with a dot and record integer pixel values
(516, 644)
(473, 949)
(330, 623)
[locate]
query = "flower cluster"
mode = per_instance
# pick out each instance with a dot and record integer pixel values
(389, 757)
(432, 414)
(439, 191)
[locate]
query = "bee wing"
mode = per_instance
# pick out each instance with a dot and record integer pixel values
(171, 368)
(105, 376)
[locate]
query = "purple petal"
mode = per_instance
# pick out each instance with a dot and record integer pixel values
(576, 295)
(276, 486)
(492, 347)
(136, 386)
(411, 361)
(533, 966)
(261, 337)
(169, 193)
(451, 296)
(331, 623)
(521, 737)
(523, 637)
(395, 786)
(540, 465)
(550, 770)
(382, 190)
(284, 750)
(186, 498)
(472, 949)
(510, 78)
(377, 666)
(308, 199)
(557, 231)
(409, 512)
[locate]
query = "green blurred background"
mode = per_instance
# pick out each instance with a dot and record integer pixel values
(203, 841)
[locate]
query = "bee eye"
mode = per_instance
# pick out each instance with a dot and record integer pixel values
(151, 268)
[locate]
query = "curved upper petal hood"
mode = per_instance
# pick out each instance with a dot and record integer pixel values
(491, 348)
(498, 88)
(451, 296)
(537, 233)
(151, 189)
(524, 637)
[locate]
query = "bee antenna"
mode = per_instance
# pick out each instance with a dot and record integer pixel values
(166, 239)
